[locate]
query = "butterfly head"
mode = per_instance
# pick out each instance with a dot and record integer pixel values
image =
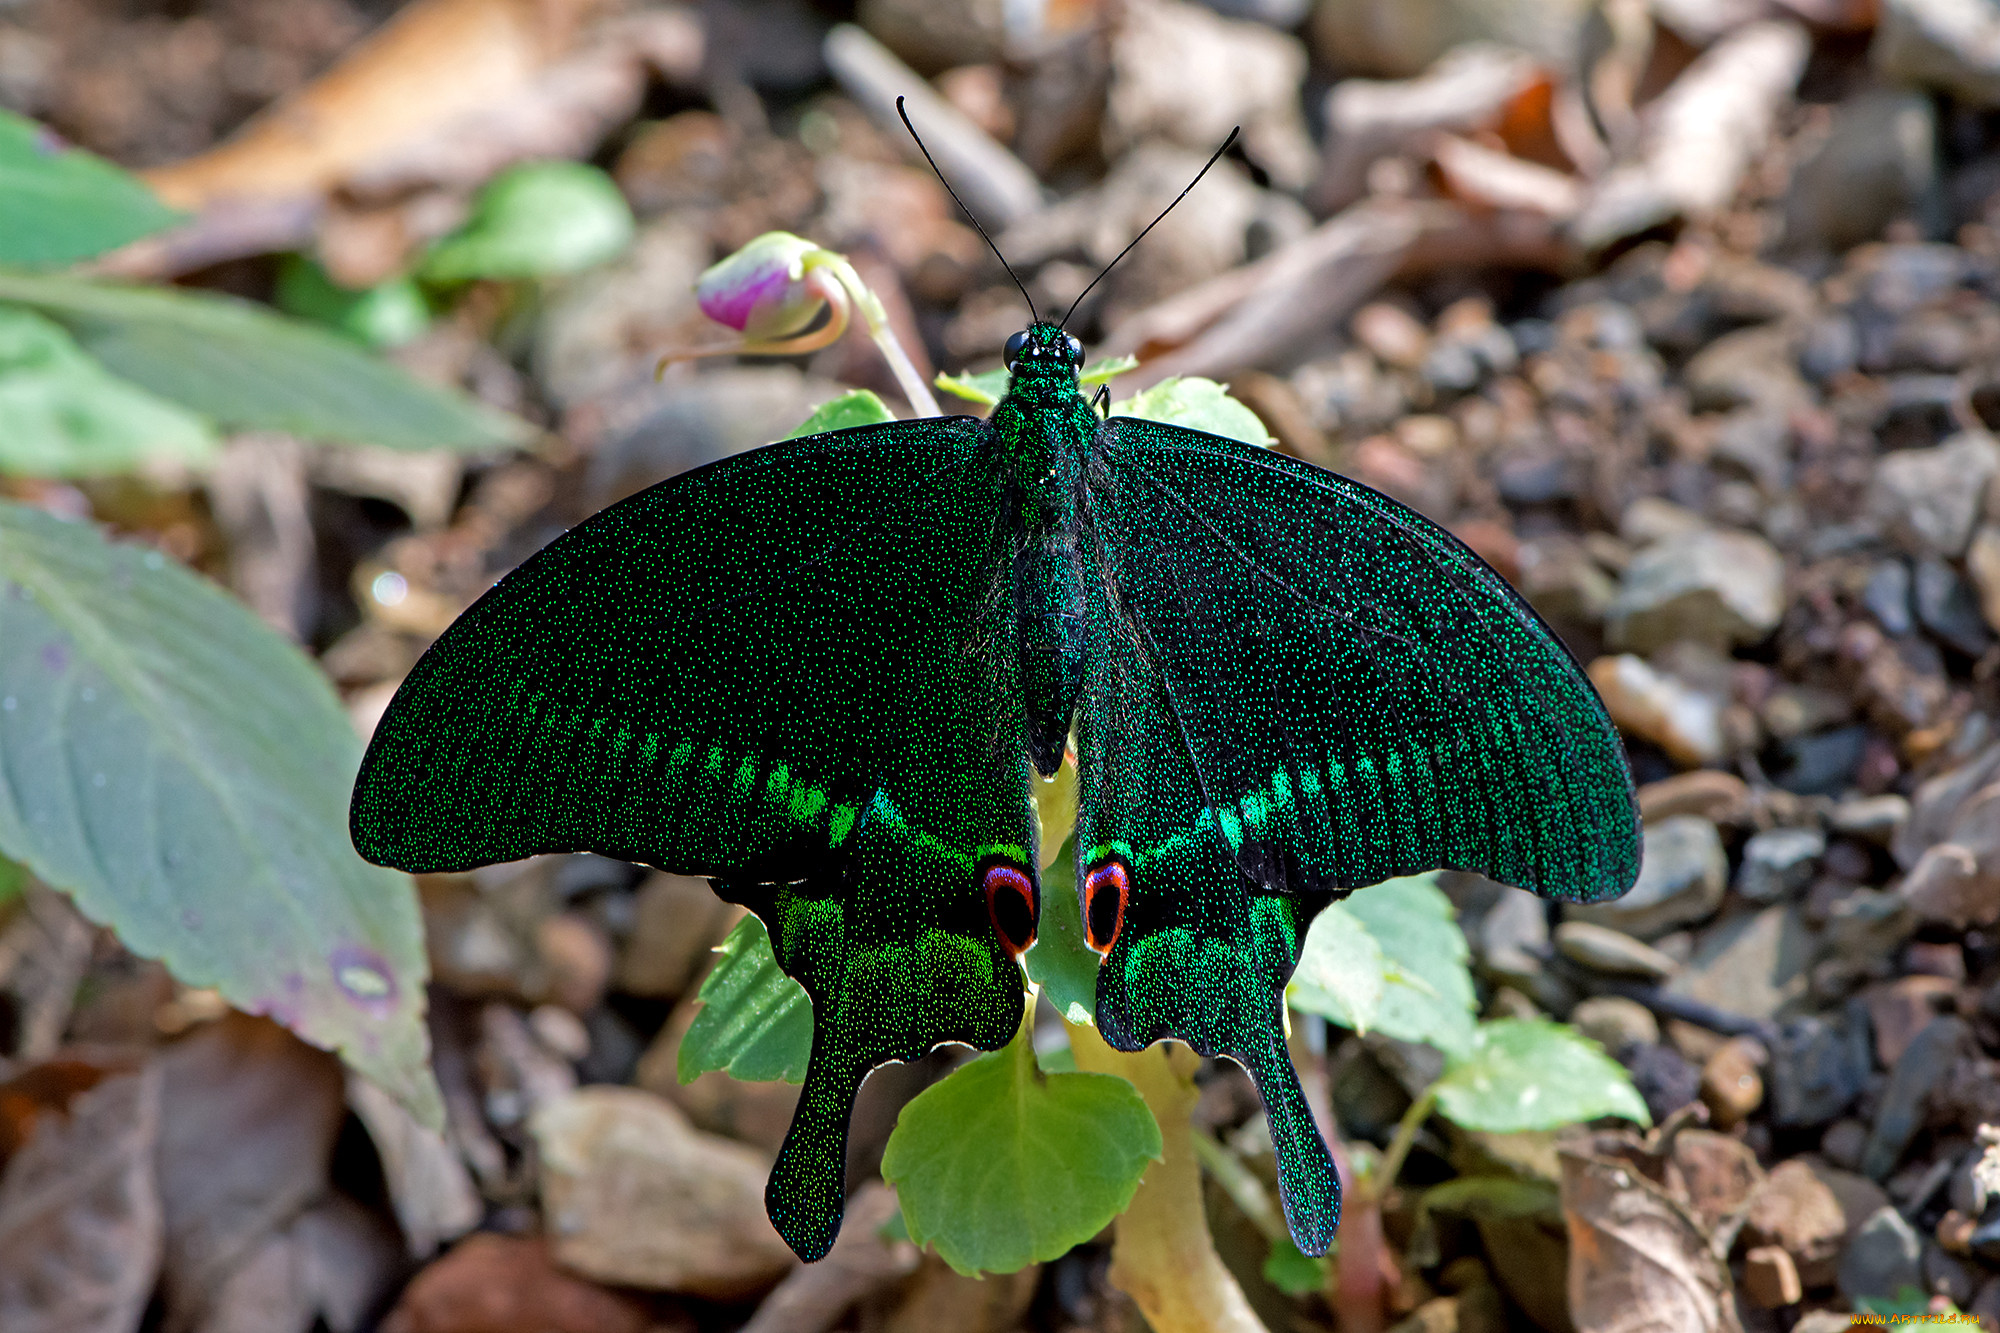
(1043, 355)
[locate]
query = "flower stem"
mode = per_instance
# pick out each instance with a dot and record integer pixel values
(1163, 1258)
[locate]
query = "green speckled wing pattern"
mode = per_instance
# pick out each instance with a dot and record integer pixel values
(1303, 687)
(792, 670)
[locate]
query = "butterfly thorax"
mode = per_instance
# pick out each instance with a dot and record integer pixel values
(1044, 425)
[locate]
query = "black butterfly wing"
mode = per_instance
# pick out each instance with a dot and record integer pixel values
(1306, 688)
(793, 671)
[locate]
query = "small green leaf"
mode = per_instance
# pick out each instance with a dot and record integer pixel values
(60, 204)
(67, 416)
(1342, 970)
(1045, 1160)
(183, 771)
(245, 367)
(13, 878)
(388, 314)
(1103, 372)
(857, 407)
(755, 1023)
(1293, 1271)
(1524, 1074)
(987, 387)
(535, 220)
(1494, 1198)
(1428, 995)
(1059, 961)
(1198, 404)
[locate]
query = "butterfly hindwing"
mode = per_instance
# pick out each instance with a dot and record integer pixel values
(792, 671)
(1303, 688)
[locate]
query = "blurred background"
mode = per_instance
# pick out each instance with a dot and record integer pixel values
(1680, 312)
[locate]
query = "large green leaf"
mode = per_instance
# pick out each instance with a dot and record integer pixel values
(1000, 1166)
(1429, 995)
(856, 407)
(536, 219)
(246, 367)
(1059, 961)
(1342, 970)
(1198, 404)
(755, 1023)
(1527, 1074)
(59, 204)
(182, 771)
(67, 416)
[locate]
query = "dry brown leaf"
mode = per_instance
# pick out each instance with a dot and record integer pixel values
(333, 1264)
(435, 61)
(1638, 1261)
(80, 1226)
(498, 1284)
(248, 1118)
(429, 1185)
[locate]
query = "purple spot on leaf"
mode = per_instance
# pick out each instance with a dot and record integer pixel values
(55, 657)
(191, 919)
(48, 143)
(365, 979)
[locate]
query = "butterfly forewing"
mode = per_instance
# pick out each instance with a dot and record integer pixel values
(793, 671)
(1302, 687)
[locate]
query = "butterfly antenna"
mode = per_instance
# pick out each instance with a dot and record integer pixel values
(1213, 159)
(1033, 317)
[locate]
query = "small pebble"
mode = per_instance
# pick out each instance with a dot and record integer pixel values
(1732, 1083)
(1605, 950)
(1614, 1022)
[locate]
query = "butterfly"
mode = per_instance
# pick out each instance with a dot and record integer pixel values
(825, 673)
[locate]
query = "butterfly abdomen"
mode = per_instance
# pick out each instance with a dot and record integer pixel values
(1053, 610)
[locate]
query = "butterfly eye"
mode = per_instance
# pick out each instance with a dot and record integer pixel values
(1075, 351)
(1106, 890)
(1014, 346)
(1010, 901)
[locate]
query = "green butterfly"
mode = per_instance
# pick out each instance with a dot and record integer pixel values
(824, 672)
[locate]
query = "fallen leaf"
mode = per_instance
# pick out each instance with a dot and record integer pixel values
(332, 1265)
(499, 1284)
(249, 1114)
(1638, 1261)
(429, 1185)
(80, 1217)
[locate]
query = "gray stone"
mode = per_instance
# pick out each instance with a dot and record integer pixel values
(1949, 609)
(1883, 1256)
(1755, 964)
(1514, 936)
(1663, 1076)
(1717, 588)
(1927, 500)
(1878, 163)
(1750, 367)
(1682, 874)
(1612, 951)
(1877, 819)
(1615, 1023)
(1819, 1065)
(1868, 923)
(1887, 597)
(1900, 1113)
(1778, 863)
(1953, 45)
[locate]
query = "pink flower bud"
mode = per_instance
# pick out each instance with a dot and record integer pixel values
(764, 290)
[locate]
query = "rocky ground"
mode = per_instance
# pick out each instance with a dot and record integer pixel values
(1683, 316)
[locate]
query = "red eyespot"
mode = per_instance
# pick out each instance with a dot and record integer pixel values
(1106, 891)
(1010, 901)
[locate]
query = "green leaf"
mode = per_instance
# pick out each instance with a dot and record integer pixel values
(1103, 372)
(1428, 995)
(245, 367)
(755, 1023)
(1522, 1074)
(1292, 1271)
(67, 416)
(388, 314)
(1059, 961)
(1494, 1198)
(182, 771)
(1000, 1166)
(534, 220)
(1342, 970)
(13, 878)
(60, 204)
(987, 387)
(1198, 404)
(857, 407)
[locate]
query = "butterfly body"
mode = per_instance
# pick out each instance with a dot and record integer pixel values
(824, 674)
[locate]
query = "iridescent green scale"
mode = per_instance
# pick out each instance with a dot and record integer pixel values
(823, 672)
